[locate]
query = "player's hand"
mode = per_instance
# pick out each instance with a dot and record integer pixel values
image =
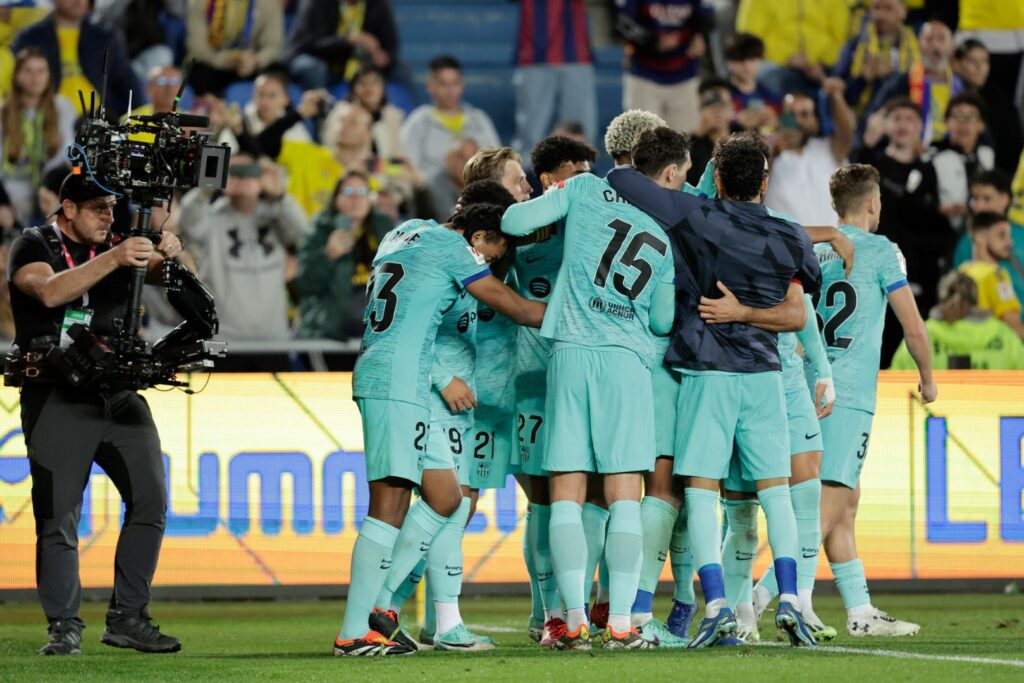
(929, 391)
(458, 396)
(824, 396)
(843, 246)
(727, 309)
(170, 245)
(134, 251)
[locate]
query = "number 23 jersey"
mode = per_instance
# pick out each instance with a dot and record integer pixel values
(419, 271)
(852, 312)
(615, 255)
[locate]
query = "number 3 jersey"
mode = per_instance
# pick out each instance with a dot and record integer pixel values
(418, 273)
(614, 257)
(852, 312)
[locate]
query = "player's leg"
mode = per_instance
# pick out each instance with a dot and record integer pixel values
(684, 602)
(595, 526)
(739, 548)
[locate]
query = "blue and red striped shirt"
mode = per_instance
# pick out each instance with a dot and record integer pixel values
(553, 32)
(651, 21)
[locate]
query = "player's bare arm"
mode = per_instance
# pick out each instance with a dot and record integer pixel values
(504, 300)
(789, 316)
(840, 243)
(916, 335)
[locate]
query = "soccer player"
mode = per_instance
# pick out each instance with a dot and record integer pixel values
(537, 262)
(731, 385)
(420, 270)
(616, 269)
(852, 314)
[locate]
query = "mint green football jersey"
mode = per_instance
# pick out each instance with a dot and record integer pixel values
(454, 356)
(419, 271)
(614, 257)
(495, 360)
(851, 312)
(536, 271)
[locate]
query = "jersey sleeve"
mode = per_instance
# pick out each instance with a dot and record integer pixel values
(892, 271)
(666, 206)
(26, 249)
(808, 271)
(463, 264)
(522, 219)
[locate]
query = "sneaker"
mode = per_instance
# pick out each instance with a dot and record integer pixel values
(578, 640)
(658, 633)
(818, 629)
(425, 641)
(878, 623)
(554, 629)
(535, 628)
(371, 645)
(385, 622)
(137, 632)
(65, 639)
(680, 617)
(629, 640)
(460, 639)
(712, 629)
(599, 616)
(789, 619)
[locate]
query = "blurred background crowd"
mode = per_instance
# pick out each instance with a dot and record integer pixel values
(346, 117)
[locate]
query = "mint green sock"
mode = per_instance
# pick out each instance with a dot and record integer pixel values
(624, 553)
(702, 522)
(658, 517)
(807, 509)
(408, 587)
(595, 527)
(682, 560)
(739, 550)
(569, 551)
(769, 583)
(444, 559)
(536, 602)
(852, 585)
(421, 525)
(540, 546)
(778, 511)
(371, 560)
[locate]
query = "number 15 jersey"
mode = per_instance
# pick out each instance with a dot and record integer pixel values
(615, 255)
(418, 272)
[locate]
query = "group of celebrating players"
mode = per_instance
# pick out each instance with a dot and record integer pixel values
(628, 349)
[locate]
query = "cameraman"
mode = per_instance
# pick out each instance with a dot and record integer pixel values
(63, 273)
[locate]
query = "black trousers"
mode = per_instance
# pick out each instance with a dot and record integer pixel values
(66, 431)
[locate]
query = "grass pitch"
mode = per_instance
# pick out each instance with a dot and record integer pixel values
(963, 637)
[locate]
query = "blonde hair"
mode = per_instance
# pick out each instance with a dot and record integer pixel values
(625, 130)
(489, 164)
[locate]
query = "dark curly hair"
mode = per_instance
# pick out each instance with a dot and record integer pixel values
(555, 150)
(486, 192)
(740, 162)
(658, 148)
(479, 217)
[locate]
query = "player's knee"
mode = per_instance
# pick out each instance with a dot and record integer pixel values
(445, 503)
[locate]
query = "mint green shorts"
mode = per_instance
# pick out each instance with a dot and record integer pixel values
(448, 448)
(395, 437)
(530, 427)
(600, 412)
(718, 410)
(665, 384)
(845, 433)
(492, 447)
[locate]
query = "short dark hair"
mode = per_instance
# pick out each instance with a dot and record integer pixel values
(740, 160)
(980, 222)
(902, 102)
(441, 62)
(571, 126)
(970, 44)
(479, 218)
(970, 99)
(850, 185)
(743, 46)
(995, 177)
(486, 192)
(555, 150)
(656, 149)
(711, 84)
(277, 74)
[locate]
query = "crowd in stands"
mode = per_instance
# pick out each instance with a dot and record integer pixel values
(325, 163)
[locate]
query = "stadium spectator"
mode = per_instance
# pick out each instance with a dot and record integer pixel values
(8, 221)
(554, 75)
(75, 47)
(446, 183)
(570, 128)
(241, 241)
(36, 126)
(756, 107)
(715, 123)
(332, 39)
(960, 155)
(334, 262)
(805, 158)
(231, 40)
(802, 39)
(992, 242)
(140, 23)
(999, 26)
(930, 84)
(430, 129)
(13, 18)
(960, 331)
(972, 64)
(910, 197)
(269, 103)
(990, 192)
(162, 85)
(884, 47)
(367, 90)
(665, 44)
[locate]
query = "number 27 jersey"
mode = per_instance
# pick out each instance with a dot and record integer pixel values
(615, 255)
(418, 272)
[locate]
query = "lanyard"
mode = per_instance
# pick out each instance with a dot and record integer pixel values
(70, 261)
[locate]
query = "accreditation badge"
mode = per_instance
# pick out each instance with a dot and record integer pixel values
(72, 316)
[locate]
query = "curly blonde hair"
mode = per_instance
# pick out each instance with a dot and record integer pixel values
(625, 129)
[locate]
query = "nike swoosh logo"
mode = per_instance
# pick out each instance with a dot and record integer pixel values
(384, 564)
(811, 436)
(424, 547)
(662, 556)
(810, 556)
(454, 573)
(527, 259)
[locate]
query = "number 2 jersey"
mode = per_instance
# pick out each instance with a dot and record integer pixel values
(614, 257)
(852, 312)
(418, 273)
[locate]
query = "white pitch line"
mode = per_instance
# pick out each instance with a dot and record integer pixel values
(901, 654)
(495, 629)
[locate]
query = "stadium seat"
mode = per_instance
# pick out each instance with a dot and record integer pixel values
(457, 23)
